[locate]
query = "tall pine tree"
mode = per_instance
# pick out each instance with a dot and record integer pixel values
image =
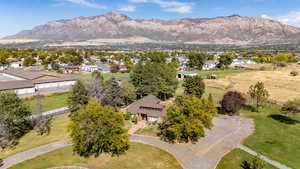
(78, 96)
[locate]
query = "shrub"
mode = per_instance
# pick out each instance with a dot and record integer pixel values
(294, 73)
(232, 102)
(127, 116)
(134, 119)
(292, 106)
(281, 64)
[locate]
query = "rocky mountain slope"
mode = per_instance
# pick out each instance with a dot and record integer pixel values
(221, 30)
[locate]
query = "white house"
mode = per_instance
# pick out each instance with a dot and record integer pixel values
(183, 75)
(241, 62)
(89, 68)
(210, 64)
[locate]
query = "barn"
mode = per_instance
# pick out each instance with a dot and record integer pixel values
(28, 83)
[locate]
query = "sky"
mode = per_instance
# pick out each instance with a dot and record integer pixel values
(17, 15)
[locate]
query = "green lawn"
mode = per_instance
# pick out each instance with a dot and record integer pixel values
(148, 131)
(276, 136)
(32, 139)
(139, 156)
(49, 102)
(106, 76)
(220, 73)
(235, 158)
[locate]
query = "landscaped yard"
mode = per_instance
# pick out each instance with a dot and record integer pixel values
(148, 131)
(276, 136)
(49, 102)
(32, 139)
(139, 156)
(235, 158)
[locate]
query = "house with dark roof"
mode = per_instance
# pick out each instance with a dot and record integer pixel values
(147, 108)
(25, 82)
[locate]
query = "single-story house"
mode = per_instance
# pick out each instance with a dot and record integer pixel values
(210, 64)
(183, 75)
(25, 82)
(147, 108)
(89, 68)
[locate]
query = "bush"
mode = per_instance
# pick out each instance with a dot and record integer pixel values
(127, 116)
(134, 119)
(292, 106)
(232, 102)
(281, 64)
(294, 73)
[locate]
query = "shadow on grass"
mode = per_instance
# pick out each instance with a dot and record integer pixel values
(283, 119)
(246, 165)
(250, 108)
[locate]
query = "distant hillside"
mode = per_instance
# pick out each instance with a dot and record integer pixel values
(221, 30)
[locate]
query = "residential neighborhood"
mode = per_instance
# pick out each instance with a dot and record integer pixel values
(149, 84)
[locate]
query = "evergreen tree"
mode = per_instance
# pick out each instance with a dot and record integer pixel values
(113, 94)
(96, 86)
(129, 92)
(78, 96)
(98, 129)
(194, 86)
(13, 122)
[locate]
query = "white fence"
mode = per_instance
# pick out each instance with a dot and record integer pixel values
(51, 113)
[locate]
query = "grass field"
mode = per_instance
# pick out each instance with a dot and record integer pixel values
(235, 158)
(139, 156)
(276, 136)
(48, 102)
(106, 76)
(279, 83)
(148, 131)
(221, 73)
(32, 139)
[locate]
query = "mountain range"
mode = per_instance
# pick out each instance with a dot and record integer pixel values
(117, 27)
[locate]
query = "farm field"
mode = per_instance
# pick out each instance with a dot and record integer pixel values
(138, 156)
(279, 83)
(235, 158)
(32, 139)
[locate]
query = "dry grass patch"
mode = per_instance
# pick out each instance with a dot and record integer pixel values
(280, 84)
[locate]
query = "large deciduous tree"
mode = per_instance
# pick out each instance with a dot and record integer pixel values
(232, 102)
(98, 129)
(13, 122)
(196, 60)
(225, 60)
(259, 94)
(194, 86)
(186, 119)
(158, 79)
(78, 96)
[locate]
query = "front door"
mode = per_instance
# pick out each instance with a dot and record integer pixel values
(144, 116)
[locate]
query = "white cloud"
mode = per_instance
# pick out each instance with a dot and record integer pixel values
(87, 4)
(127, 8)
(292, 18)
(169, 6)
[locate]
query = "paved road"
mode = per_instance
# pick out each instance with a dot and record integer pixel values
(17, 158)
(274, 163)
(226, 135)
